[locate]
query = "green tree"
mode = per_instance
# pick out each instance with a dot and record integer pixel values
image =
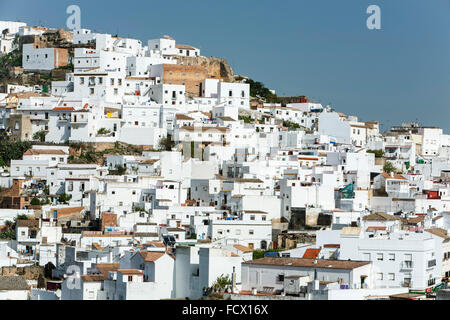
(257, 89)
(378, 153)
(389, 167)
(12, 150)
(103, 131)
(246, 119)
(64, 198)
(40, 136)
(9, 60)
(35, 202)
(222, 282)
(166, 143)
(291, 125)
(120, 170)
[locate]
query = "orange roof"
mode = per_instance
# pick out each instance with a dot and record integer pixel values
(104, 268)
(67, 212)
(130, 271)
(376, 228)
(184, 46)
(180, 116)
(311, 253)
(63, 109)
(242, 248)
(44, 151)
(109, 220)
(151, 256)
(97, 246)
(157, 244)
(396, 176)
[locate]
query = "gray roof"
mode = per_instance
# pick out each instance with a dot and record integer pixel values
(13, 283)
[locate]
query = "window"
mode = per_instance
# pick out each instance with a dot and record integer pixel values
(391, 276)
(252, 217)
(379, 256)
(280, 278)
(251, 232)
(81, 80)
(112, 81)
(130, 278)
(380, 276)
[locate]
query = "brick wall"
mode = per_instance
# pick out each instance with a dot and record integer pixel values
(191, 76)
(61, 57)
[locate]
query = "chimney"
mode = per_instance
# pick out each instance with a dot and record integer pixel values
(316, 285)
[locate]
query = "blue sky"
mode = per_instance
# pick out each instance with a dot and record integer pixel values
(318, 48)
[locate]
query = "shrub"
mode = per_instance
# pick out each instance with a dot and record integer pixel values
(35, 202)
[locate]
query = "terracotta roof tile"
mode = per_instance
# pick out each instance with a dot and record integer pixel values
(311, 253)
(308, 263)
(242, 248)
(151, 256)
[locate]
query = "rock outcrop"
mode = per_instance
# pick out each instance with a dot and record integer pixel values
(216, 67)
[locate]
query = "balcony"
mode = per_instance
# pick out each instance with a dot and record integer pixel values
(406, 265)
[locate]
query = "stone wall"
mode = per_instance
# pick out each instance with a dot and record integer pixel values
(30, 273)
(216, 67)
